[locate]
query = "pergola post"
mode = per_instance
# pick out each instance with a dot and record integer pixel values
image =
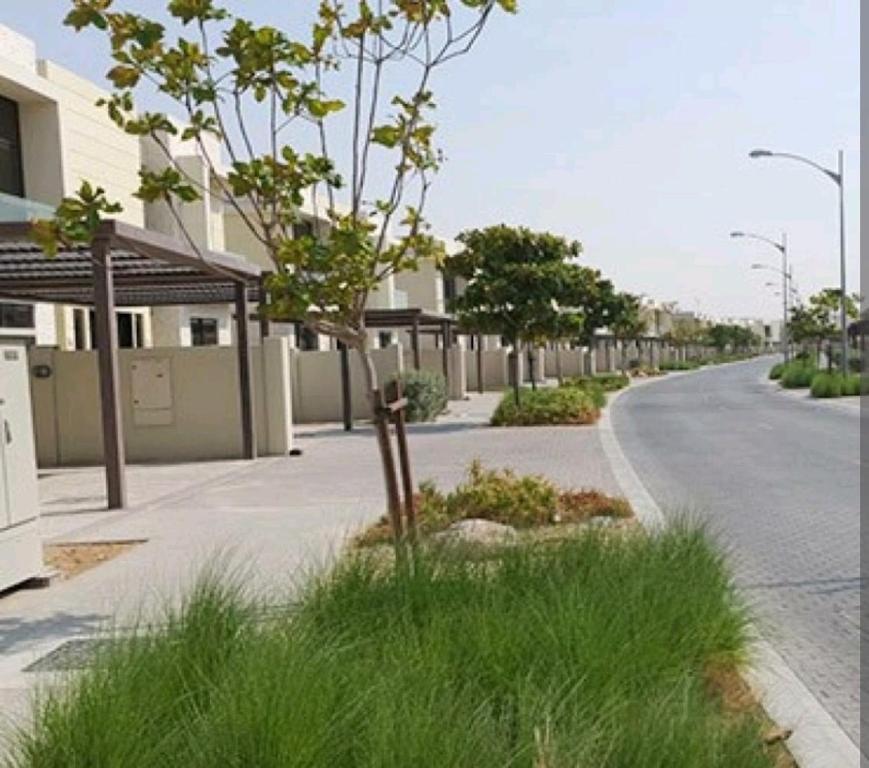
(414, 343)
(445, 351)
(107, 355)
(264, 322)
(480, 363)
(245, 379)
(346, 401)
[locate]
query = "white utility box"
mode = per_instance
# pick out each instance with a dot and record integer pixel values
(20, 543)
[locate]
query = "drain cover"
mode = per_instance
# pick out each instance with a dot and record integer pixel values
(71, 655)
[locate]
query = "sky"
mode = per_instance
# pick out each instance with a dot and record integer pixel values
(626, 125)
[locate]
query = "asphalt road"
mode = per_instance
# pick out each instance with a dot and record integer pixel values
(777, 478)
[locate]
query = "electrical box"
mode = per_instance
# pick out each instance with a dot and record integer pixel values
(20, 542)
(151, 385)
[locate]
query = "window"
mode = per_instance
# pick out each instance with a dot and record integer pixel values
(303, 228)
(203, 331)
(385, 338)
(78, 324)
(16, 315)
(449, 289)
(11, 177)
(306, 339)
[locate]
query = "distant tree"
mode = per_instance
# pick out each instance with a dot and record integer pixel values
(519, 284)
(723, 336)
(269, 98)
(626, 324)
(818, 321)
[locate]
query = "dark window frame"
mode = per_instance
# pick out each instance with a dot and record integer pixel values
(204, 332)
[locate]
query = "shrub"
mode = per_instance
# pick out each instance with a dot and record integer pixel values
(798, 374)
(562, 405)
(827, 385)
(679, 365)
(426, 393)
(835, 385)
(852, 385)
(608, 382)
(776, 371)
(502, 496)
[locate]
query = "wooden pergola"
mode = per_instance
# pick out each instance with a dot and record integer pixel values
(416, 322)
(127, 266)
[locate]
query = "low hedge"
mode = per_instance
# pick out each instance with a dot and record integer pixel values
(550, 405)
(426, 393)
(608, 382)
(798, 374)
(680, 365)
(775, 373)
(835, 385)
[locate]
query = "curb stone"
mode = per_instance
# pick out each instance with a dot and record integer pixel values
(817, 740)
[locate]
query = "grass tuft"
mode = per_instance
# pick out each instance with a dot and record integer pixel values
(592, 651)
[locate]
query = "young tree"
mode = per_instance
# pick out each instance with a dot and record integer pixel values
(626, 324)
(273, 101)
(519, 284)
(819, 320)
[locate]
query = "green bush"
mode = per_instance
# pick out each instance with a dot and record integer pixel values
(798, 374)
(501, 495)
(549, 405)
(594, 651)
(835, 385)
(426, 393)
(680, 365)
(827, 385)
(776, 371)
(852, 385)
(608, 382)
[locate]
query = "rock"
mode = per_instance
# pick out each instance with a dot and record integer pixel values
(477, 531)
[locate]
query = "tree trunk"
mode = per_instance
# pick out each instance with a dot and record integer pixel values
(381, 428)
(514, 363)
(531, 368)
(559, 372)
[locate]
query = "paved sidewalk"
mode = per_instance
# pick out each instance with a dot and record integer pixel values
(276, 517)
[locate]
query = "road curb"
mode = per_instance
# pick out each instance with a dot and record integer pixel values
(817, 740)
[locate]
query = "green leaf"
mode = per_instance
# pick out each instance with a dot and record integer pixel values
(123, 76)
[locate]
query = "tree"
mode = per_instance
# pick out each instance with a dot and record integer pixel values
(626, 323)
(685, 331)
(819, 320)
(272, 102)
(520, 285)
(723, 336)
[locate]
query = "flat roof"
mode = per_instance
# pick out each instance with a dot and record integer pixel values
(148, 269)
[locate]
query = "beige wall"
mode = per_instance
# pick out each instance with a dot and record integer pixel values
(316, 383)
(201, 422)
(94, 148)
(424, 288)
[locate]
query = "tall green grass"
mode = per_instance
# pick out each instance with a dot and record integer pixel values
(588, 652)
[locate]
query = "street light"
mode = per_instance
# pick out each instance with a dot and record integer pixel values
(839, 178)
(782, 248)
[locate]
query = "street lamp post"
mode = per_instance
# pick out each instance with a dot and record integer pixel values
(782, 247)
(839, 178)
